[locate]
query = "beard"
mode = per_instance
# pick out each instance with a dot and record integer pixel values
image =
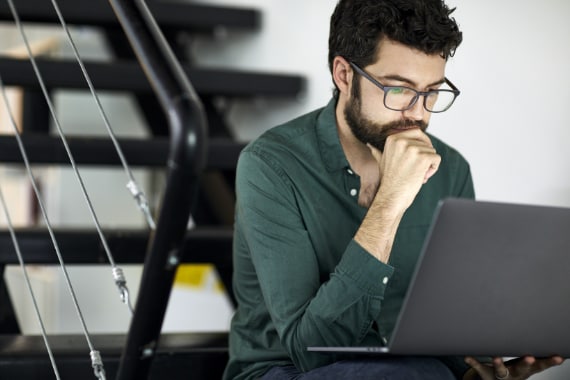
(369, 132)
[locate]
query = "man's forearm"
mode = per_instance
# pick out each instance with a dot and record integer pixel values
(378, 229)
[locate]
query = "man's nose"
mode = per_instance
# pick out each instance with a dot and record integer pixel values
(417, 111)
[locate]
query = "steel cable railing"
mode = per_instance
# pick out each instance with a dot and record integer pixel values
(188, 133)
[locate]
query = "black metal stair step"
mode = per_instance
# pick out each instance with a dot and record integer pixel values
(211, 245)
(169, 15)
(179, 356)
(202, 245)
(100, 151)
(128, 76)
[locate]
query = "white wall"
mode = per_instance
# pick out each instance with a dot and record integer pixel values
(510, 120)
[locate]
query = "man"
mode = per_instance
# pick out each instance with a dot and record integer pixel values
(333, 207)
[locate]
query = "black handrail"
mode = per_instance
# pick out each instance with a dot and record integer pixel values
(188, 133)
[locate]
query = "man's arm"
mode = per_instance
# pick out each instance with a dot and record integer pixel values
(305, 311)
(408, 161)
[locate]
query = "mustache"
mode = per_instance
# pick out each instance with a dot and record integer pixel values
(406, 123)
(379, 140)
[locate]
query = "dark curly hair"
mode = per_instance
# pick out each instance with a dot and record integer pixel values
(357, 26)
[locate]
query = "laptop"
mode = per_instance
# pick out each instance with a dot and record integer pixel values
(493, 279)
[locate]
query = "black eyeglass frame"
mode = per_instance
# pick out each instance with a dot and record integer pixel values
(454, 90)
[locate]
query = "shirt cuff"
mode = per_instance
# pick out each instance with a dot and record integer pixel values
(365, 270)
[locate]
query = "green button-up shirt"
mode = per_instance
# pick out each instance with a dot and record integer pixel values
(299, 277)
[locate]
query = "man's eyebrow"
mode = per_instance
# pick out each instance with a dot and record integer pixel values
(413, 84)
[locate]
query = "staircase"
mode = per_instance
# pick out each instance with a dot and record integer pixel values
(179, 356)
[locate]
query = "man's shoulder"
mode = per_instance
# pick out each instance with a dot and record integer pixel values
(298, 132)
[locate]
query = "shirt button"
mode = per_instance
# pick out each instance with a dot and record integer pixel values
(353, 192)
(385, 280)
(349, 171)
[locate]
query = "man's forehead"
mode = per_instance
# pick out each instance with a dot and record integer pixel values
(397, 59)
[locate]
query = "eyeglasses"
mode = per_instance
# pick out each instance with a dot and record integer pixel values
(401, 98)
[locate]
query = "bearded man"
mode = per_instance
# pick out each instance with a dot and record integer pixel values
(333, 207)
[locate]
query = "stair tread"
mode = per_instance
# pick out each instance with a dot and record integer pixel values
(169, 15)
(109, 344)
(128, 246)
(100, 151)
(178, 356)
(128, 76)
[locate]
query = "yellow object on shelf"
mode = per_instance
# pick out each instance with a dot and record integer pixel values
(199, 277)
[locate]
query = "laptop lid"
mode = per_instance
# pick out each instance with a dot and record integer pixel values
(493, 279)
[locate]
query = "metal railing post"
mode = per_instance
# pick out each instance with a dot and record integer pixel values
(188, 133)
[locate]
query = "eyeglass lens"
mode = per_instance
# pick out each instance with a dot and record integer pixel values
(401, 98)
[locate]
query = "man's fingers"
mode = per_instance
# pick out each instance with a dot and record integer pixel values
(543, 364)
(520, 368)
(476, 365)
(555, 360)
(414, 133)
(501, 371)
(433, 168)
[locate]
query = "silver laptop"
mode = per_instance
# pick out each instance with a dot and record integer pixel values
(493, 280)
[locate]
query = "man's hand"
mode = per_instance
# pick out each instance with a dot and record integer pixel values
(408, 161)
(516, 369)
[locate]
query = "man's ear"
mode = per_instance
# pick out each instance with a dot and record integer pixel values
(342, 74)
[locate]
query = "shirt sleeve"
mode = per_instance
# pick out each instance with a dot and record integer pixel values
(304, 312)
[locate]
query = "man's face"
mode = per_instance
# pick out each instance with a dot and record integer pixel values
(397, 65)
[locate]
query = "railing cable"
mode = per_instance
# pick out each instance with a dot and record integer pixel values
(25, 272)
(95, 356)
(118, 275)
(132, 185)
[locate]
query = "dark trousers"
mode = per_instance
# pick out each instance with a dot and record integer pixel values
(368, 369)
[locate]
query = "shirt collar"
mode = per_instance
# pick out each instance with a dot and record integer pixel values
(332, 153)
